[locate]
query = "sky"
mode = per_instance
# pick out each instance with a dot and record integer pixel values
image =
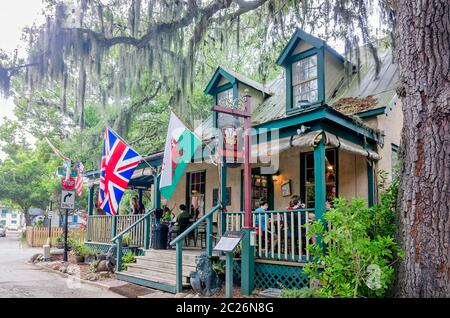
(14, 16)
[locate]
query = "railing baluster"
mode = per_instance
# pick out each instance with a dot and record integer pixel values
(307, 231)
(285, 236)
(279, 235)
(292, 237)
(260, 234)
(272, 235)
(266, 238)
(299, 226)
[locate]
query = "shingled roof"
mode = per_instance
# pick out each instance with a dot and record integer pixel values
(360, 93)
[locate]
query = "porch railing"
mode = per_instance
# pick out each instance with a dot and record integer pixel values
(141, 220)
(100, 228)
(137, 233)
(280, 234)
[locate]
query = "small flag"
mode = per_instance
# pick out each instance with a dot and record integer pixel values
(181, 144)
(119, 161)
(79, 180)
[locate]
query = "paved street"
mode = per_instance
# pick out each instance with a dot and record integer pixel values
(18, 279)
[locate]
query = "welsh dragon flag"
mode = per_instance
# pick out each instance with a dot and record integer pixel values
(181, 144)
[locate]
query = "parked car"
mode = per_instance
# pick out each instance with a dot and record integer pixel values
(2, 231)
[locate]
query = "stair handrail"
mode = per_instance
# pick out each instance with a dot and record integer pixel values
(178, 241)
(118, 238)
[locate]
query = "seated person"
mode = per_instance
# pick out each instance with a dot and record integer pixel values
(182, 220)
(167, 215)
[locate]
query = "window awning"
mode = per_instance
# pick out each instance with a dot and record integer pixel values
(309, 141)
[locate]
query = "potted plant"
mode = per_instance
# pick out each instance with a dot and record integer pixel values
(126, 240)
(89, 255)
(80, 252)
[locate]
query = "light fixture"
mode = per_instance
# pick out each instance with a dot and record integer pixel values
(330, 167)
(275, 177)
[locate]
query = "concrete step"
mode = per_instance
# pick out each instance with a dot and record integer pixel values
(169, 265)
(163, 273)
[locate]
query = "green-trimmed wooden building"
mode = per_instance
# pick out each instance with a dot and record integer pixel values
(326, 128)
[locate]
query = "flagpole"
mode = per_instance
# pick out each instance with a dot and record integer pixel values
(142, 158)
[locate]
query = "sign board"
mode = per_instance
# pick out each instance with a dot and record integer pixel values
(229, 241)
(62, 172)
(68, 184)
(67, 199)
(50, 214)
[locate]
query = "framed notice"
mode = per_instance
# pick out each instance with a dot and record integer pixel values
(229, 241)
(286, 188)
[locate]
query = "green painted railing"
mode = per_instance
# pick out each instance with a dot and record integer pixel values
(283, 237)
(118, 239)
(178, 241)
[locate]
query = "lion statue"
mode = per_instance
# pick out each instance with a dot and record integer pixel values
(204, 280)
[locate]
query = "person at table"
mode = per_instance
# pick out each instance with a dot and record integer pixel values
(167, 215)
(263, 207)
(182, 220)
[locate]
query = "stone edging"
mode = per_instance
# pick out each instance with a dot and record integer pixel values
(77, 278)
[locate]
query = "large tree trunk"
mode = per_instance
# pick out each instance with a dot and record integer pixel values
(423, 54)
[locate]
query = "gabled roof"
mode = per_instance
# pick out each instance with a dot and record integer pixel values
(233, 77)
(301, 35)
(362, 93)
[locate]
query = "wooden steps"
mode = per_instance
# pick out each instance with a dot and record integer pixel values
(157, 269)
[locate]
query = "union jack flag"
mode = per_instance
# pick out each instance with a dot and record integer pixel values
(117, 167)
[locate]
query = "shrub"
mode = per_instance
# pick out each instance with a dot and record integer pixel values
(358, 253)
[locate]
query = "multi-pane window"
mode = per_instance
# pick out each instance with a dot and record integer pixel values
(225, 98)
(197, 182)
(330, 177)
(4, 212)
(14, 216)
(304, 81)
(260, 189)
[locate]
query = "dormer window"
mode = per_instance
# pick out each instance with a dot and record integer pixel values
(225, 98)
(305, 81)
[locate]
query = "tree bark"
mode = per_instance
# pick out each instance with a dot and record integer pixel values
(423, 54)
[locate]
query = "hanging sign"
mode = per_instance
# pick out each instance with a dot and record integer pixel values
(68, 184)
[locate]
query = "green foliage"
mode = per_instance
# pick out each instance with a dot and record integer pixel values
(218, 267)
(83, 250)
(126, 239)
(127, 259)
(359, 249)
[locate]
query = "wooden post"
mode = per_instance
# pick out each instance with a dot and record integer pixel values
(119, 254)
(90, 211)
(229, 276)
(147, 232)
(371, 185)
(319, 180)
(209, 230)
(248, 255)
(179, 271)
